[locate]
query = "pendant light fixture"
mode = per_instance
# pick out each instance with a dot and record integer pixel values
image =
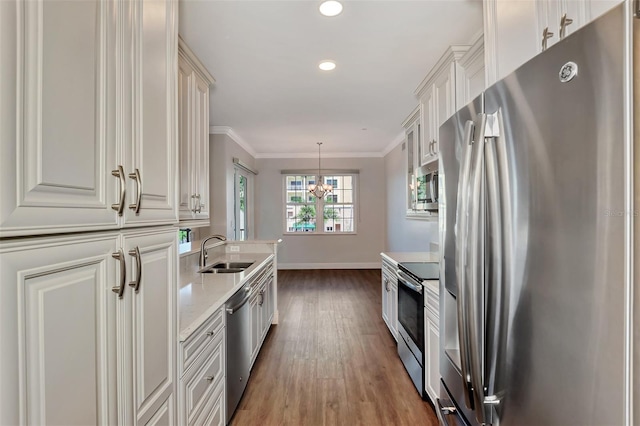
(320, 189)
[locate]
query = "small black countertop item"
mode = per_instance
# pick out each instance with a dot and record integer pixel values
(421, 271)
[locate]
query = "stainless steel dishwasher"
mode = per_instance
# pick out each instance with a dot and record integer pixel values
(238, 347)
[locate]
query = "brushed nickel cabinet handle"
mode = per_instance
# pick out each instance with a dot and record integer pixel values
(194, 197)
(546, 35)
(564, 23)
(119, 255)
(136, 283)
(119, 173)
(209, 378)
(198, 206)
(136, 176)
(209, 333)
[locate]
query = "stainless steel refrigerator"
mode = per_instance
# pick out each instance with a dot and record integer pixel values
(536, 223)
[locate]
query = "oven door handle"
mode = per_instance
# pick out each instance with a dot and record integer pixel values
(406, 281)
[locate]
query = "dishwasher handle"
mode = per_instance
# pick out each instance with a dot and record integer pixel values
(233, 309)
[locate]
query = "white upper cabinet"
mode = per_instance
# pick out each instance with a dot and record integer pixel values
(516, 31)
(57, 116)
(193, 111)
(87, 99)
(472, 81)
(438, 100)
(151, 156)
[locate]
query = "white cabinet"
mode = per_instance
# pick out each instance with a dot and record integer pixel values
(149, 317)
(261, 308)
(74, 352)
(150, 146)
(58, 331)
(516, 30)
(193, 123)
(432, 341)
(87, 92)
(390, 297)
(438, 102)
(472, 80)
(203, 373)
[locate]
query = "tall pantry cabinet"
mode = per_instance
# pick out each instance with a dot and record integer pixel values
(88, 200)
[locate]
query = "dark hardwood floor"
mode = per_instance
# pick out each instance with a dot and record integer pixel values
(331, 360)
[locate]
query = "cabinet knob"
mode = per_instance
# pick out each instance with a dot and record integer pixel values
(209, 378)
(209, 333)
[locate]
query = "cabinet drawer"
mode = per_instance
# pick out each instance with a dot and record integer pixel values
(388, 268)
(195, 344)
(201, 381)
(213, 413)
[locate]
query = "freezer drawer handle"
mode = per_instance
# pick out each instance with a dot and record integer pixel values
(440, 410)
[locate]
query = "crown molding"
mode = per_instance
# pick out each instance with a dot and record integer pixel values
(226, 130)
(324, 155)
(185, 52)
(451, 54)
(397, 141)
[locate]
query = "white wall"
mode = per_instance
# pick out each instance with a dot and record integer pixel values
(306, 251)
(222, 150)
(403, 234)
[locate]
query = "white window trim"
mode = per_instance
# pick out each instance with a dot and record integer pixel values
(319, 205)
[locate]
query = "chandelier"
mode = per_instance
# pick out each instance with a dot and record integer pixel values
(320, 189)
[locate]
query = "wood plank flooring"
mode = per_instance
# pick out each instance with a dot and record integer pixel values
(331, 360)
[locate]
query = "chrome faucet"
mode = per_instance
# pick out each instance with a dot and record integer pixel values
(203, 253)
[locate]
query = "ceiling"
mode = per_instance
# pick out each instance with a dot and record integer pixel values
(270, 94)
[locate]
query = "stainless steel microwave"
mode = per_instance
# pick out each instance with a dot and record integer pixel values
(427, 194)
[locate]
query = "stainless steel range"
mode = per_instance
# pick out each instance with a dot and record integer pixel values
(411, 275)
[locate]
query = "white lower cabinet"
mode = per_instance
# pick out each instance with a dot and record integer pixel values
(202, 374)
(432, 341)
(261, 311)
(73, 351)
(149, 323)
(390, 297)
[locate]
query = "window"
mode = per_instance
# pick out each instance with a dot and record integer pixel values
(338, 208)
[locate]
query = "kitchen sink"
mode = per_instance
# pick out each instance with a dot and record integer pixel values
(222, 271)
(232, 265)
(226, 268)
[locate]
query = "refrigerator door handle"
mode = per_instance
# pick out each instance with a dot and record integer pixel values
(475, 270)
(461, 241)
(498, 262)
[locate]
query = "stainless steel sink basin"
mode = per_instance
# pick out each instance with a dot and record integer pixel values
(222, 271)
(225, 268)
(232, 265)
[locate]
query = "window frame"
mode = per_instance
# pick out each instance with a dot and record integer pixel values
(320, 204)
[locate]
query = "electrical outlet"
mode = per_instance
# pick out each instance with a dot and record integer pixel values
(234, 248)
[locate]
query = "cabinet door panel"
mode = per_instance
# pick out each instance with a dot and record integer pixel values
(154, 148)
(432, 379)
(57, 329)
(151, 320)
(60, 140)
(202, 146)
(429, 127)
(185, 128)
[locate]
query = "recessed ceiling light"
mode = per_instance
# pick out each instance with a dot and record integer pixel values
(327, 65)
(331, 8)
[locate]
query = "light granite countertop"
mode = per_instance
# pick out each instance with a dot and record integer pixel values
(202, 294)
(411, 256)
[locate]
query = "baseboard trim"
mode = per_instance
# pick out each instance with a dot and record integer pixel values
(362, 265)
